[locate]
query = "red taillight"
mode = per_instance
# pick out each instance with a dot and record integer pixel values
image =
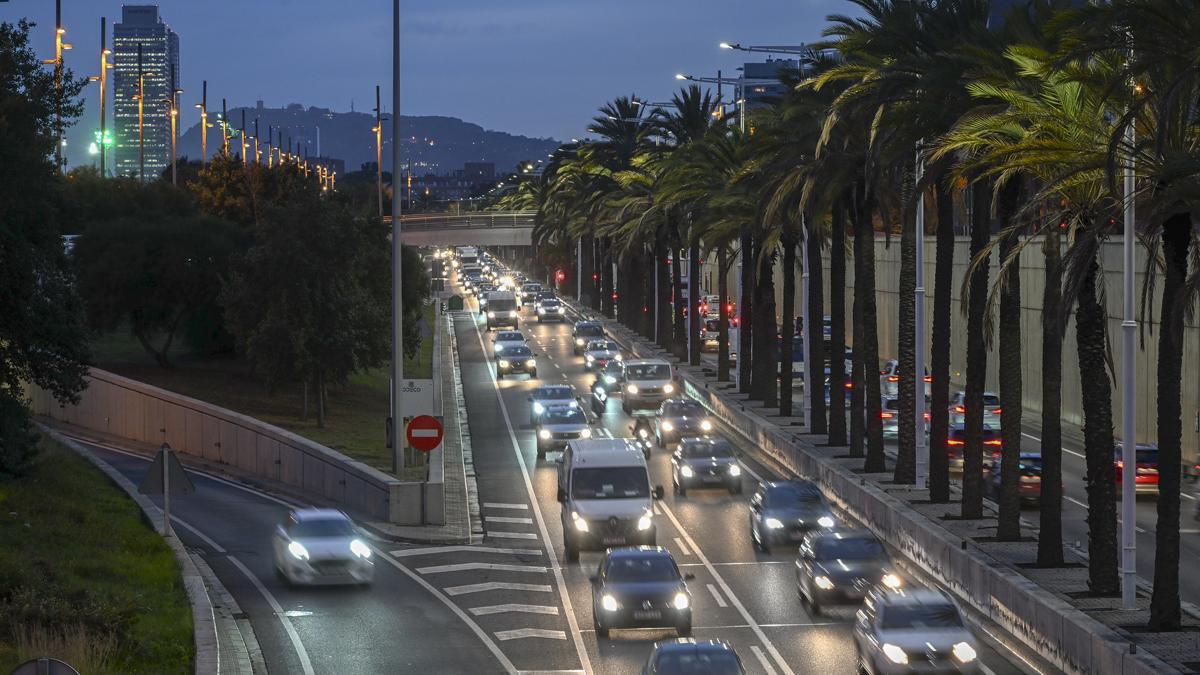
(849, 385)
(951, 441)
(929, 378)
(959, 409)
(994, 441)
(893, 378)
(887, 415)
(997, 411)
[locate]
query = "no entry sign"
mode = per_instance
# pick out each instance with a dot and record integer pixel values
(424, 433)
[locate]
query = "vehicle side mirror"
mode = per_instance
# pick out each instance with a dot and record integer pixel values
(688, 576)
(658, 492)
(562, 495)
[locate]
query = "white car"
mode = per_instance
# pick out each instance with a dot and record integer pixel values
(598, 353)
(889, 379)
(549, 396)
(991, 409)
(647, 383)
(913, 631)
(507, 339)
(321, 546)
(558, 426)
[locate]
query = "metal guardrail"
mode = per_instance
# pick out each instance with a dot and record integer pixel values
(480, 219)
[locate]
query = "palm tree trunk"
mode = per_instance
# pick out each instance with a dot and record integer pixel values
(745, 353)
(587, 268)
(837, 327)
(1096, 390)
(939, 370)
(723, 262)
(765, 379)
(678, 327)
(788, 347)
(972, 476)
(857, 379)
(1164, 603)
(693, 313)
(1009, 356)
(664, 313)
(875, 462)
(607, 283)
(1050, 537)
(646, 262)
(814, 332)
(906, 450)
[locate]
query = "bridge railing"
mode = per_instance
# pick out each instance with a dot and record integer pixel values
(479, 219)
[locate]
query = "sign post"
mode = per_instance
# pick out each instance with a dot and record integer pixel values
(165, 470)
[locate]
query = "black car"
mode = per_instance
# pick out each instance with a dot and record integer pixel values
(704, 462)
(686, 656)
(785, 511)
(956, 441)
(1029, 486)
(640, 587)
(516, 360)
(584, 332)
(842, 566)
(679, 417)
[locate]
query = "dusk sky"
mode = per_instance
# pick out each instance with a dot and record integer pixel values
(533, 67)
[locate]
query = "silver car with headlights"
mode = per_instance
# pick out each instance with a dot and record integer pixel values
(598, 353)
(550, 396)
(646, 383)
(558, 426)
(842, 566)
(913, 631)
(321, 546)
(506, 339)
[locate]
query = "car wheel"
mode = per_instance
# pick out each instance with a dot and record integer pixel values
(601, 631)
(684, 629)
(533, 373)
(626, 408)
(682, 489)
(571, 550)
(658, 440)
(541, 453)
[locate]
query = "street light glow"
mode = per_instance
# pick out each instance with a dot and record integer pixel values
(726, 45)
(681, 76)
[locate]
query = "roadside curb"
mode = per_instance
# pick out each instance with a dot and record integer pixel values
(206, 638)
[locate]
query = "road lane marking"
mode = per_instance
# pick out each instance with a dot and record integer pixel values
(1074, 501)
(657, 511)
(530, 633)
(293, 636)
(717, 596)
(512, 535)
(466, 567)
(508, 519)
(203, 537)
(513, 607)
(436, 550)
(729, 593)
(682, 546)
(762, 659)
(497, 586)
(479, 632)
(1066, 450)
(559, 581)
(498, 505)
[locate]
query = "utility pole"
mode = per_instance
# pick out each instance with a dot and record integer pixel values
(141, 129)
(1128, 392)
(244, 159)
(103, 78)
(203, 106)
(922, 449)
(270, 140)
(379, 151)
(257, 152)
(224, 129)
(174, 117)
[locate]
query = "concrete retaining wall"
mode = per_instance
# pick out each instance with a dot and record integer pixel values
(139, 412)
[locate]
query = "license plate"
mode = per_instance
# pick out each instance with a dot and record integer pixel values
(647, 614)
(614, 540)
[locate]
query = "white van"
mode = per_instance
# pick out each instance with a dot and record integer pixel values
(604, 489)
(501, 309)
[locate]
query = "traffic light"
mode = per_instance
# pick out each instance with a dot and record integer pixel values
(560, 276)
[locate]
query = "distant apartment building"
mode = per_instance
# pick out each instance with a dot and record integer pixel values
(159, 72)
(764, 87)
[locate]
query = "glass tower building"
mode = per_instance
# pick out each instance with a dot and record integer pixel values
(141, 25)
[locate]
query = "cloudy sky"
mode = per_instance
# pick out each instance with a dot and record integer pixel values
(534, 67)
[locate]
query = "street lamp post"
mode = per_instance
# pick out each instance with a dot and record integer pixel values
(244, 158)
(141, 129)
(397, 300)
(224, 128)
(174, 114)
(103, 79)
(59, 48)
(378, 150)
(922, 449)
(203, 106)
(1128, 394)
(799, 50)
(806, 347)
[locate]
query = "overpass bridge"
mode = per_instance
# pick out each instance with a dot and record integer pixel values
(482, 228)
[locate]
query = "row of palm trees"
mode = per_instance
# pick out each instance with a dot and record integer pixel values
(1024, 126)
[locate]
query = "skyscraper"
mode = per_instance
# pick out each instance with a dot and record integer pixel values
(141, 25)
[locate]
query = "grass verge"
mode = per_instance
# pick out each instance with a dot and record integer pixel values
(83, 578)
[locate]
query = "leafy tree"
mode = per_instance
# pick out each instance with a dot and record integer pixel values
(42, 336)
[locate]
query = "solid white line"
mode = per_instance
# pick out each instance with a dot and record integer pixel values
(301, 653)
(437, 550)
(479, 632)
(1038, 440)
(203, 537)
(496, 586)
(530, 633)
(511, 607)
(512, 535)
(498, 505)
(508, 519)
(717, 596)
(467, 567)
(682, 546)
(559, 581)
(762, 659)
(657, 511)
(729, 593)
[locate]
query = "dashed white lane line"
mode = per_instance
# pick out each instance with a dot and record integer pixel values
(293, 636)
(1074, 501)
(512, 535)
(683, 548)
(762, 659)
(508, 519)
(717, 596)
(499, 505)
(530, 633)
(1066, 450)
(514, 608)
(437, 550)
(496, 586)
(472, 566)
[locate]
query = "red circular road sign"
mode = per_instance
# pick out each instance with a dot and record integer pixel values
(424, 433)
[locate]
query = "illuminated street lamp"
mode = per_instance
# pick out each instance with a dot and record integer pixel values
(767, 49)
(203, 106)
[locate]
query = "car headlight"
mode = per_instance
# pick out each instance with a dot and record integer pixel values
(544, 434)
(609, 379)
(499, 348)
(590, 358)
(619, 357)
(686, 471)
(358, 548)
(644, 523)
(633, 388)
(825, 521)
(586, 433)
(643, 433)
(541, 311)
(531, 363)
(964, 652)
(682, 601)
(823, 582)
(706, 426)
(774, 524)
(298, 551)
(735, 470)
(538, 408)
(894, 653)
(491, 315)
(667, 389)
(608, 603)
(891, 581)
(667, 426)
(573, 404)
(579, 341)
(512, 313)
(580, 523)
(504, 364)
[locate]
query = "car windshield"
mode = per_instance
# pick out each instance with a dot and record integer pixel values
(991, 399)
(648, 371)
(1144, 455)
(510, 336)
(722, 662)
(552, 393)
(587, 330)
(907, 617)
(793, 495)
(683, 409)
(324, 527)
(891, 404)
(564, 416)
(550, 303)
(855, 548)
(714, 449)
(642, 568)
(602, 346)
(712, 325)
(619, 482)
(1031, 466)
(517, 352)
